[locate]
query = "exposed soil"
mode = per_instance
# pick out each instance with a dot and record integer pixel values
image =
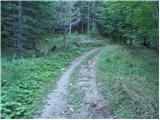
(93, 106)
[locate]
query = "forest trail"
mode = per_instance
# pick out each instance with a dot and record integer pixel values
(57, 106)
(94, 105)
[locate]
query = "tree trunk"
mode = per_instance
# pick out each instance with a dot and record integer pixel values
(70, 28)
(82, 18)
(82, 27)
(64, 39)
(20, 42)
(157, 45)
(88, 20)
(34, 44)
(14, 38)
(145, 42)
(131, 41)
(93, 5)
(20, 24)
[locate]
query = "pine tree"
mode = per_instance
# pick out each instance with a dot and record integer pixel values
(23, 22)
(66, 16)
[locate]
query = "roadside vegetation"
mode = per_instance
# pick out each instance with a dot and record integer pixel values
(129, 80)
(24, 81)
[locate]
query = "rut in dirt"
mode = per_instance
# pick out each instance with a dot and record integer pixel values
(94, 106)
(55, 105)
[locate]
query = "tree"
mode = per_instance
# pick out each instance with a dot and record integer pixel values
(66, 16)
(24, 22)
(128, 21)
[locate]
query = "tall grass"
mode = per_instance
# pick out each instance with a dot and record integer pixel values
(129, 79)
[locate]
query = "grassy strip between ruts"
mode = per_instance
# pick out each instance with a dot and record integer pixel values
(76, 95)
(25, 80)
(129, 80)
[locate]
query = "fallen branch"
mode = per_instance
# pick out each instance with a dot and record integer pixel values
(116, 116)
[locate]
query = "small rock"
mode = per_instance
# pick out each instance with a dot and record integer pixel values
(94, 104)
(70, 84)
(62, 69)
(71, 109)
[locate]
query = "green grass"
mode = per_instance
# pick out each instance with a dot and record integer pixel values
(78, 37)
(25, 81)
(129, 79)
(57, 39)
(75, 97)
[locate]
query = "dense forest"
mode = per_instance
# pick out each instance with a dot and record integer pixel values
(40, 39)
(25, 23)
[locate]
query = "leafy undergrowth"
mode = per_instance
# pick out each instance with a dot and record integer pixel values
(24, 81)
(129, 79)
(50, 43)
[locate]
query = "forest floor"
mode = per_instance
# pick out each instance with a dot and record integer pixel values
(93, 105)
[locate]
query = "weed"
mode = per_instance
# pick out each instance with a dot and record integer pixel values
(24, 81)
(129, 78)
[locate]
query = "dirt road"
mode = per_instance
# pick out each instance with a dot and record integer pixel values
(93, 106)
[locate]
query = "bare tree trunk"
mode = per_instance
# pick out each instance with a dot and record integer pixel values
(70, 14)
(93, 5)
(70, 28)
(82, 18)
(82, 27)
(64, 39)
(34, 43)
(88, 20)
(131, 41)
(19, 42)
(14, 39)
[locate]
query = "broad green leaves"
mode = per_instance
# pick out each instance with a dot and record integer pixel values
(128, 20)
